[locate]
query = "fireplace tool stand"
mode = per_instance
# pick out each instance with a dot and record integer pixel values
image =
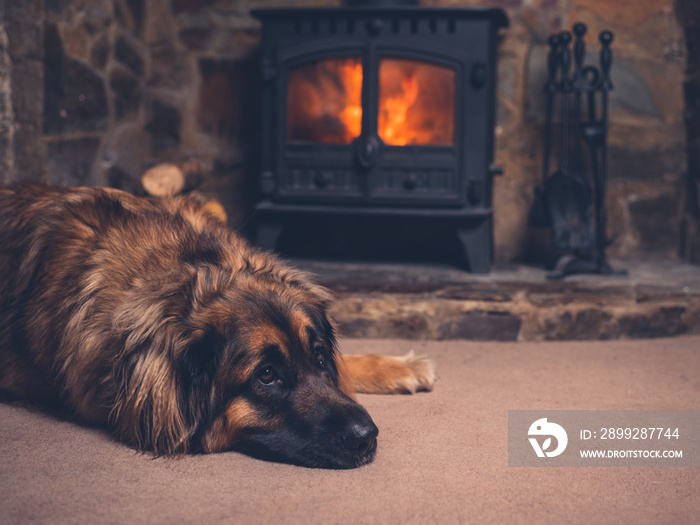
(564, 200)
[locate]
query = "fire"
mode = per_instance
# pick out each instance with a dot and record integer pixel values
(351, 116)
(324, 101)
(416, 102)
(393, 111)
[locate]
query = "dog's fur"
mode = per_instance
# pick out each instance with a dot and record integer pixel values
(153, 318)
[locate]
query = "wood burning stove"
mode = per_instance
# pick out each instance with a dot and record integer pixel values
(380, 111)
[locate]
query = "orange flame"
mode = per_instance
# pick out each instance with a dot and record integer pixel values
(351, 116)
(416, 102)
(393, 110)
(324, 101)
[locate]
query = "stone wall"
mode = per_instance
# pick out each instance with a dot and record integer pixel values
(7, 115)
(22, 93)
(97, 91)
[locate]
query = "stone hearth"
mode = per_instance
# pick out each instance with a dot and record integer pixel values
(513, 303)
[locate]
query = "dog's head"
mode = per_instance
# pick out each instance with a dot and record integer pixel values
(279, 386)
(256, 370)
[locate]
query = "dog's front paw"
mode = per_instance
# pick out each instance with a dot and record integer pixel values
(384, 374)
(421, 373)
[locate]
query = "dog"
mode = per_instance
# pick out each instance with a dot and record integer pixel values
(154, 319)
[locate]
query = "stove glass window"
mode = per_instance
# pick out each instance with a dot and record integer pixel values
(324, 101)
(416, 103)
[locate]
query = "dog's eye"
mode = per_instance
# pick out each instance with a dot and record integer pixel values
(318, 354)
(267, 375)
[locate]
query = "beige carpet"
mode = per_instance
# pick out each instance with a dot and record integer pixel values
(442, 455)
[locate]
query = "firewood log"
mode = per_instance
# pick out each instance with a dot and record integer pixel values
(172, 178)
(163, 180)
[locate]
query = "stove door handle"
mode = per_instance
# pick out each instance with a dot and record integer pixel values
(478, 75)
(368, 151)
(495, 169)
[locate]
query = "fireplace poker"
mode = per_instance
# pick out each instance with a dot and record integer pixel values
(539, 217)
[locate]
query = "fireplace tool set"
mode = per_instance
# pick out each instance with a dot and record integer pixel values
(564, 201)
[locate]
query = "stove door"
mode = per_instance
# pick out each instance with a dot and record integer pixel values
(324, 101)
(416, 112)
(323, 118)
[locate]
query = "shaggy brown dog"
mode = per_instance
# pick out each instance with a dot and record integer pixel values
(153, 318)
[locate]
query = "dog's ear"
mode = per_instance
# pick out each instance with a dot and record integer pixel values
(198, 362)
(148, 403)
(197, 366)
(165, 390)
(164, 373)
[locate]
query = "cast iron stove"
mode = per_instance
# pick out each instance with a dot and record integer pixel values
(380, 110)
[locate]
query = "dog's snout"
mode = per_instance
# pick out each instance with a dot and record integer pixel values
(360, 437)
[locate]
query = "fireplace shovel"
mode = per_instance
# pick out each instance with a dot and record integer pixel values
(568, 199)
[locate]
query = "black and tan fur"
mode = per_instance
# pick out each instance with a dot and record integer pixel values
(153, 318)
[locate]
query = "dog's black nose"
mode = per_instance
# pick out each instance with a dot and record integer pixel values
(360, 437)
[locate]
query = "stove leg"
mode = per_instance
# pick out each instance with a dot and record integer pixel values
(268, 232)
(475, 238)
